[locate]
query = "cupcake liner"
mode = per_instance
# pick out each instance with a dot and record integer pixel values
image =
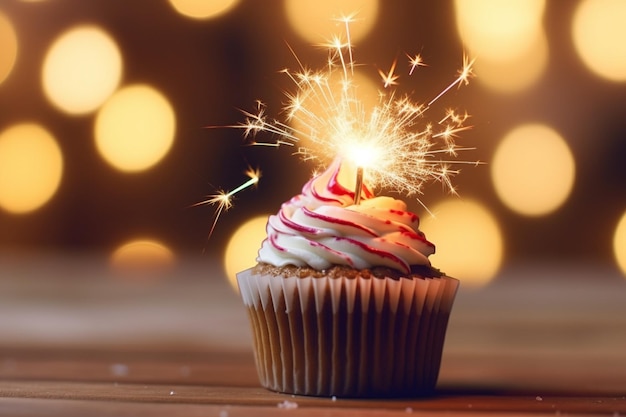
(349, 337)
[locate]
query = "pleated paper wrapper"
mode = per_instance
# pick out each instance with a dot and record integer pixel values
(348, 337)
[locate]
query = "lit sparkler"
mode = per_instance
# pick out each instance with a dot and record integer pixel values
(325, 118)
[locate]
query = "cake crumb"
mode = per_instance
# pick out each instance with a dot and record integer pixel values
(288, 405)
(538, 398)
(172, 392)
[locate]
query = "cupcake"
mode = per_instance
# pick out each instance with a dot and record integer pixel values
(343, 300)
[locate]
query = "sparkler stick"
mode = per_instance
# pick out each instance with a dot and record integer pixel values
(359, 185)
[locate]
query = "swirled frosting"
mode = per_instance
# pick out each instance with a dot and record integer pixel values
(323, 227)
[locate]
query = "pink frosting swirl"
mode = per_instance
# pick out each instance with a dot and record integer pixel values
(323, 227)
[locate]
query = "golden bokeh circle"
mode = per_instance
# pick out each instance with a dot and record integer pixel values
(135, 128)
(203, 9)
(468, 239)
(599, 33)
(243, 246)
(619, 243)
(31, 167)
(317, 21)
(8, 47)
(498, 30)
(82, 68)
(142, 255)
(533, 170)
(518, 73)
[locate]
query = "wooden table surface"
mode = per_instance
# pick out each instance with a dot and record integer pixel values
(80, 339)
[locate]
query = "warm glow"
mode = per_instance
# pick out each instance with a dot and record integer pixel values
(619, 243)
(498, 30)
(31, 167)
(317, 21)
(517, 74)
(332, 117)
(599, 31)
(242, 248)
(351, 147)
(142, 256)
(468, 239)
(363, 156)
(8, 47)
(135, 128)
(533, 170)
(82, 68)
(203, 9)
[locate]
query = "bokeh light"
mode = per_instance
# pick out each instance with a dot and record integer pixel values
(142, 256)
(82, 68)
(598, 31)
(135, 128)
(31, 167)
(498, 30)
(518, 73)
(533, 170)
(8, 47)
(203, 9)
(619, 244)
(317, 21)
(242, 248)
(507, 38)
(468, 240)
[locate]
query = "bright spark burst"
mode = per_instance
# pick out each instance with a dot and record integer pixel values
(224, 199)
(330, 120)
(388, 146)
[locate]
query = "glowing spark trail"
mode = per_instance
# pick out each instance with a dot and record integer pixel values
(223, 199)
(414, 62)
(464, 74)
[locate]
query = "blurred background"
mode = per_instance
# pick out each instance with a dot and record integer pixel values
(104, 109)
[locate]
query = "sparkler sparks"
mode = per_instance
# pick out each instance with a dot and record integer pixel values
(390, 77)
(414, 62)
(224, 200)
(386, 144)
(326, 118)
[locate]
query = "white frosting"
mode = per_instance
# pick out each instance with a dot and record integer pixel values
(323, 227)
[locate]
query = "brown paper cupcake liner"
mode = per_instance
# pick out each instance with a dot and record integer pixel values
(348, 337)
